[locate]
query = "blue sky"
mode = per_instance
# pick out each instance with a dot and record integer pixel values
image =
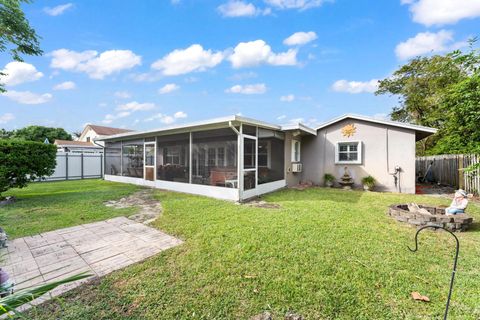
(148, 64)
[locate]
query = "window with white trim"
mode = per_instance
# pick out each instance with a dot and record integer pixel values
(296, 151)
(348, 152)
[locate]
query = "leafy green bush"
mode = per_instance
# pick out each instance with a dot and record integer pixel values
(369, 181)
(328, 177)
(24, 161)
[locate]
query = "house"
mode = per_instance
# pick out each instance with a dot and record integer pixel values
(86, 142)
(77, 146)
(92, 132)
(236, 158)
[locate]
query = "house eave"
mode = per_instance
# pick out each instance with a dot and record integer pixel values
(194, 126)
(421, 132)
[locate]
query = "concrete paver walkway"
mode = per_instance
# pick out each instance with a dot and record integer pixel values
(98, 248)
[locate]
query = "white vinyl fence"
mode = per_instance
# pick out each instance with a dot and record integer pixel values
(72, 166)
(449, 169)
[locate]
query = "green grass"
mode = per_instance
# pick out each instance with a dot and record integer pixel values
(46, 206)
(326, 254)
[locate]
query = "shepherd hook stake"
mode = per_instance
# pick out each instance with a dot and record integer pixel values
(454, 263)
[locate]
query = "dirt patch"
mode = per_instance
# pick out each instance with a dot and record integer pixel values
(7, 200)
(262, 204)
(150, 208)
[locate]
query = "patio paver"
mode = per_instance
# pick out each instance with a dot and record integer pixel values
(98, 248)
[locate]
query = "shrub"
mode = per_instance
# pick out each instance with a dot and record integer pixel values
(328, 177)
(369, 181)
(24, 161)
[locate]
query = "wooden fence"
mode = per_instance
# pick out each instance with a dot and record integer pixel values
(449, 169)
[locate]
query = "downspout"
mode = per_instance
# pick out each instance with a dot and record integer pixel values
(396, 173)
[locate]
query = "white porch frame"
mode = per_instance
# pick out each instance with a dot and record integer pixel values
(232, 194)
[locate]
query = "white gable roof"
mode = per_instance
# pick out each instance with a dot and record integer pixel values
(421, 131)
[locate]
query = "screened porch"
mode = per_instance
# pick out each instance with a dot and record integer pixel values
(233, 161)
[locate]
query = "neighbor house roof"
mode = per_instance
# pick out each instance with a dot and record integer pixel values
(68, 143)
(420, 131)
(199, 125)
(107, 131)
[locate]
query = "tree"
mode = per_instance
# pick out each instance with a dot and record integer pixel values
(40, 133)
(5, 134)
(16, 34)
(24, 161)
(429, 91)
(461, 133)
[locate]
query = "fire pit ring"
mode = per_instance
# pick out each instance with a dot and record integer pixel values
(437, 217)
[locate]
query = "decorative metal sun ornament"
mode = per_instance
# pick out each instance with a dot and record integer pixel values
(349, 130)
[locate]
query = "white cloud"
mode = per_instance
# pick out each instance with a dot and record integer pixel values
(238, 8)
(287, 98)
(67, 85)
(300, 38)
(438, 12)
(170, 87)
(109, 118)
(426, 43)
(180, 115)
(254, 53)
(282, 117)
(355, 86)
(258, 88)
(19, 72)
(97, 66)
(136, 106)
(163, 118)
(381, 116)
(6, 117)
(58, 10)
(122, 94)
(27, 97)
(182, 61)
(295, 4)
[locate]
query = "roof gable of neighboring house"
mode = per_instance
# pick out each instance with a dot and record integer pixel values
(102, 130)
(69, 143)
(421, 132)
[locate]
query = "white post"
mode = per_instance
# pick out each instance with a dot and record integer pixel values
(190, 155)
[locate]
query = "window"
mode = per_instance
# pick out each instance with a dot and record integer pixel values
(264, 154)
(295, 151)
(88, 139)
(349, 152)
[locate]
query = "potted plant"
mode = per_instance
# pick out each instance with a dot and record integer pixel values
(329, 180)
(368, 183)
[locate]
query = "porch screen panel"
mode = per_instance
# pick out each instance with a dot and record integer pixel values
(271, 156)
(173, 157)
(113, 158)
(132, 155)
(214, 158)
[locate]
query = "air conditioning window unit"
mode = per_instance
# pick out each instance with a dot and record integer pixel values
(297, 167)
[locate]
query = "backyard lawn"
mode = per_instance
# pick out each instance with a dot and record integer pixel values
(324, 254)
(48, 206)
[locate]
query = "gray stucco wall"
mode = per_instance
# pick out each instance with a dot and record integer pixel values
(378, 159)
(291, 178)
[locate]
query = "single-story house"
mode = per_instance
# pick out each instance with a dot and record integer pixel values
(236, 158)
(77, 146)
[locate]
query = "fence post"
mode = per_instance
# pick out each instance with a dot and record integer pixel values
(66, 166)
(101, 165)
(461, 180)
(81, 165)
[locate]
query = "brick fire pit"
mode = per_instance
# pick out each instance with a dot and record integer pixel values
(459, 222)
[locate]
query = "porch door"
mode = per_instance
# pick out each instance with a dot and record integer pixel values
(149, 163)
(250, 164)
